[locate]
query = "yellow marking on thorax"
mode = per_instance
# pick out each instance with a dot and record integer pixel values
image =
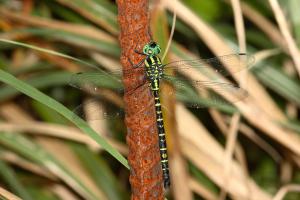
(152, 60)
(146, 63)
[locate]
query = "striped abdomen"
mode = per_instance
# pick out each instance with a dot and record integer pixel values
(154, 70)
(161, 135)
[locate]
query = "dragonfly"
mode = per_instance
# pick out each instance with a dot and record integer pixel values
(155, 74)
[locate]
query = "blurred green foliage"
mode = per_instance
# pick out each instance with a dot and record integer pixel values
(52, 76)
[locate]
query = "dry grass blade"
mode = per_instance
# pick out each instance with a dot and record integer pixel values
(66, 156)
(264, 54)
(221, 123)
(7, 195)
(284, 190)
(25, 164)
(258, 117)
(108, 63)
(250, 133)
(229, 149)
(209, 36)
(243, 148)
(59, 131)
(219, 47)
(201, 190)
(237, 186)
(200, 148)
(50, 53)
(179, 173)
(92, 110)
(239, 25)
(46, 23)
(233, 130)
(241, 35)
(261, 105)
(90, 13)
(282, 22)
(264, 24)
(286, 172)
(239, 152)
(59, 150)
(63, 193)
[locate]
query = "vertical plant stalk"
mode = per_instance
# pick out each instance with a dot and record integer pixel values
(142, 139)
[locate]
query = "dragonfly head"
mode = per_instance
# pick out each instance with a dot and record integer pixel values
(151, 49)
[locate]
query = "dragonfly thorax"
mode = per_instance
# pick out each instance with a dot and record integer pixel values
(153, 68)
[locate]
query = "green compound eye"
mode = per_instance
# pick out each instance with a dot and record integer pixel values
(157, 49)
(152, 49)
(146, 49)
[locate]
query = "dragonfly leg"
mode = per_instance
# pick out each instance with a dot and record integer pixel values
(138, 52)
(139, 64)
(135, 88)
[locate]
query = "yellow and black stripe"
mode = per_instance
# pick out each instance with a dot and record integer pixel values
(154, 73)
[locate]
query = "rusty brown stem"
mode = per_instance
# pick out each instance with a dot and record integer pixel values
(142, 139)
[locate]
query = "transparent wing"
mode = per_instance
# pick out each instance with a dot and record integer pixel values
(205, 93)
(95, 80)
(107, 87)
(211, 92)
(233, 62)
(95, 109)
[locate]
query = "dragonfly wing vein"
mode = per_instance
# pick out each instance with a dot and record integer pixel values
(223, 65)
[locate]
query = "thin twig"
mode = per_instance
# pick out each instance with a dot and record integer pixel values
(171, 34)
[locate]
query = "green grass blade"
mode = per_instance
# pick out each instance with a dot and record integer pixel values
(32, 151)
(101, 173)
(41, 81)
(48, 51)
(9, 176)
(279, 82)
(97, 12)
(58, 107)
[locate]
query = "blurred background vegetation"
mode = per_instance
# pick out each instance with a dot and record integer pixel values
(42, 154)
